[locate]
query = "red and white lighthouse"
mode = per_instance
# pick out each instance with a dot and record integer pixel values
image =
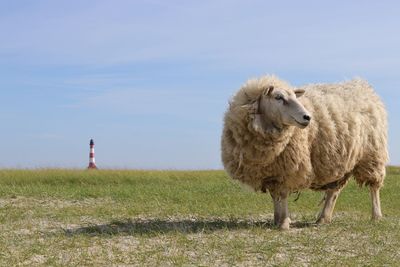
(92, 163)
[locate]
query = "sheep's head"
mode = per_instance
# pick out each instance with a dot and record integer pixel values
(278, 108)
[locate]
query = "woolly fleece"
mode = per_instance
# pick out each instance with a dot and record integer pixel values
(347, 137)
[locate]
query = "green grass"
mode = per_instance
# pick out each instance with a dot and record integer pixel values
(201, 218)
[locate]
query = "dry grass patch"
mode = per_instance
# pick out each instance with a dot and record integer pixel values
(182, 219)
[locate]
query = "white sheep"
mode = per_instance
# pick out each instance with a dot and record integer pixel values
(282, 140)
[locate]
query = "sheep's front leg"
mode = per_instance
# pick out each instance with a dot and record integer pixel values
(281, 210)
(331, 196)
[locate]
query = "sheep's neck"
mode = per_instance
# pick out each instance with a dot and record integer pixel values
(270, 146)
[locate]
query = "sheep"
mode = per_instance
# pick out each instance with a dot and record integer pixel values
(280, 139)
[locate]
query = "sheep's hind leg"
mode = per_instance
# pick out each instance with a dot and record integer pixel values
(281, 211)
(376, 203)
(372, 173)
(331, 196)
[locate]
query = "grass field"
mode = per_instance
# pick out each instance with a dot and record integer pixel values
(201, 218)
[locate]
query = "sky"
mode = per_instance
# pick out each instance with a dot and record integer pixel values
(150, 81)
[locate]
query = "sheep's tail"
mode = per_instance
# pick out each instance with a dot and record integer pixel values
(298, 196)
(322, 200)
(240, 161)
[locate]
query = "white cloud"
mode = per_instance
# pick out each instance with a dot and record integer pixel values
(180, 103)
(49, 136)
(225, 33)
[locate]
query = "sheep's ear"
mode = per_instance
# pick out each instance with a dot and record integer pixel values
(263, 125)
(258, 124)
(299, 92)
(268, 91)
(253, 107)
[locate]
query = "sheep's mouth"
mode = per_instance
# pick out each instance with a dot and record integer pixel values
(302, 125)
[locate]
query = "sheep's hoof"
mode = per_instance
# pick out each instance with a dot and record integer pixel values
(285, 225)
(376, 218)
(323, 220)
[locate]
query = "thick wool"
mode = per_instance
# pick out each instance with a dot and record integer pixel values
(347, 137)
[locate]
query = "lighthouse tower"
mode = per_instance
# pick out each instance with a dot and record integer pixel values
(92, 164)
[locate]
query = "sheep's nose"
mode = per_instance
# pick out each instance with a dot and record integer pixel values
(306, 117)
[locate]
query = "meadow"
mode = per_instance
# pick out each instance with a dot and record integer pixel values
(184, 218)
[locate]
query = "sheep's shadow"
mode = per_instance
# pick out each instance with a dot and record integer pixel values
(163, 226)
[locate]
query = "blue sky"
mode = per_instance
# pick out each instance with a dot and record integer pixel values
(150, 80)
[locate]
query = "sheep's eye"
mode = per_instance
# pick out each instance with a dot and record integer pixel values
(279, 97)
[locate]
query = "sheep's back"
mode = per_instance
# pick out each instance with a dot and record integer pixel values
(351, 126)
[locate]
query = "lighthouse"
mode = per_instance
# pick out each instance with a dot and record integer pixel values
(92, 164)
